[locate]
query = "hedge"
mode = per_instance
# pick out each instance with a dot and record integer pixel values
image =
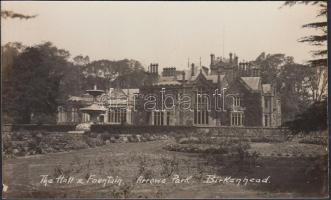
(43, 127)
(122, 129)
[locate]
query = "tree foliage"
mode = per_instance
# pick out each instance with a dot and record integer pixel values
(32, 81)
(122, 73)
(320, 39)
(312, 119)
(315, 117)
(10, 14)
(296, 83)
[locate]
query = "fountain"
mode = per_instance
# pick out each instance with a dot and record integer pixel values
(94, 110)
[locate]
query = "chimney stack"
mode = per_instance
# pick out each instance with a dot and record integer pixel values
(192, 69)
(156, 68)
(212, 59)
(153, 68)
(235, 59)
(230, 57)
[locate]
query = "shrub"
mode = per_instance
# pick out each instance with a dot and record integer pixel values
(44, 127)
(265, 140)
(319, 141)
(169, 166)
(189, 140)
(312, 119)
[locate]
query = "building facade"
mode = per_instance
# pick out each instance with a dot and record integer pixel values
(228, 93)
(118, 102)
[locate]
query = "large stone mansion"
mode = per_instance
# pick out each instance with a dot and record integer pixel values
(228, 93)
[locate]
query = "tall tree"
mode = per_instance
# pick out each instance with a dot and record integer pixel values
(315, 117)
(122, 73)
(81, 60)
(320, 38)
(33, 84)
(296, 83)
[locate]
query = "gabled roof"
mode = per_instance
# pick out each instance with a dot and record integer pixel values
(253, 83)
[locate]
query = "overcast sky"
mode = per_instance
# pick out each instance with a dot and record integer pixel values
(165, 32)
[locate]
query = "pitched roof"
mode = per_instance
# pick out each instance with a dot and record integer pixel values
(252, 82)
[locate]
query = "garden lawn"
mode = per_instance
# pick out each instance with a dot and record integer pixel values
(289, 177)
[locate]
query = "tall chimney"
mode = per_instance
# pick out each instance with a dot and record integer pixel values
(212, 59)
(236, 59)
(230, 57)
(156, 68)
(192, 69)
(218, 77)
(249, 69)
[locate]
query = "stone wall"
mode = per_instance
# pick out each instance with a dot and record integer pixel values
(225, 131)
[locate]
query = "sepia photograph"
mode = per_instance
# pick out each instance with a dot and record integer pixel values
(164, 99)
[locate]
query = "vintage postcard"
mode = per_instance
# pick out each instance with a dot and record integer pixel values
(158, 100)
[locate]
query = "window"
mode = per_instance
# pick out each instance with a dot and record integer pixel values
(158, 118)
(117, 115)
(61, 114)
(237, 118)
(201, 109)
(201, 117)
(85, 117)
(266, 102)
(266, 120)
(168, 118)
(74, 113)
(236, 101)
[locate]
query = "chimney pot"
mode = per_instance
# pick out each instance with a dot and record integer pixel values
(212, 59)
(192, 69)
